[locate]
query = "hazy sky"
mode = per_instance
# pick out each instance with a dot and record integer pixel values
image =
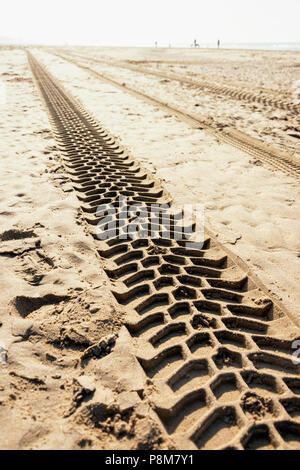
(141, 22)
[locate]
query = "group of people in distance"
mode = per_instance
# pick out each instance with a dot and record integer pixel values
(195, 43)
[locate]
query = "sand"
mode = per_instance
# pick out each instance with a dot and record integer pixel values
(56, 301)
(47, 261)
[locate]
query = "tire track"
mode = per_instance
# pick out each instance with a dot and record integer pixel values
(238, 93)
(205, 332)
(254, 147)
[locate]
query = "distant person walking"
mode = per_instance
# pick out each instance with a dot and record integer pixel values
(218, 43)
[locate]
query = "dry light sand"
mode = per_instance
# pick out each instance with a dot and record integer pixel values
(48, 259)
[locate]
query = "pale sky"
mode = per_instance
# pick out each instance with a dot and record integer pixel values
(141, 22)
